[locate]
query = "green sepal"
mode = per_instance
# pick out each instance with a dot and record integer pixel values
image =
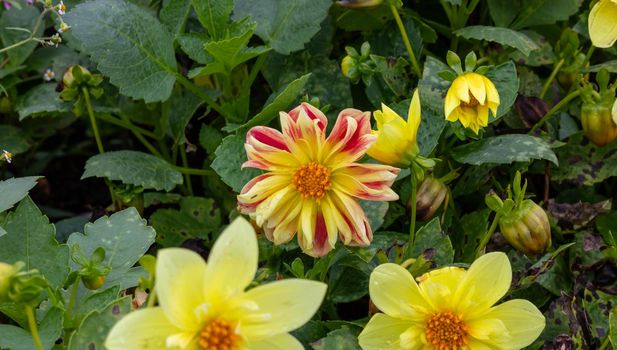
(454, 62)
(470, 61)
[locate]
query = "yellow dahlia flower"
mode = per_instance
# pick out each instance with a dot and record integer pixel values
(205, 306)
(469, 99)
(312, 181)
(396, 138)
(449, 309)
(603, 23)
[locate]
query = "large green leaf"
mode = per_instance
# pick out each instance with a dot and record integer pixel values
(15, 189)
(25, 17)
(130, 46)
(587, 164)
(285, 25)
(504, 149)
(125, 237)
(610, 66)
(134, 168)
(16, 338)
(32, 239)
(538, 12)
(506, 81)
(229, 158)
(233, 51)
(174, 15)
(41, 100)
(503, 36)
(214, 15)
(433, 244)
(93, 330)
(13, 139)
(180, 109)
(340, 339)
(196, 218)
(279, 102)
(432, 90)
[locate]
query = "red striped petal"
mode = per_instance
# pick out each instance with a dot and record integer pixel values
(351, 136)
(311, 112)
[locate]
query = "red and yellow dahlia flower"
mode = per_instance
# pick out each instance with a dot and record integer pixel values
(312, 182)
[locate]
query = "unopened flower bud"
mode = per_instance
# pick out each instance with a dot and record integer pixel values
(93, 282)
(346, 65)
(599, 122)
(527, 228)
(430, 197)
(75, 75)
(6, 272)
(530, 109)
(18, 286)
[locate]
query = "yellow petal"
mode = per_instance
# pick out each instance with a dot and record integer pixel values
(278, 342)
(394, 291)
(477, 86)
(383, 333)
(492, 94)
(232, 262)
(146, 329)
(482, 117)
(450, 104)
(603, 23)
(282, 306)
(487, 280)
(615, 112)
(522, 320)
(461, 89)
(176, 269)
(414, 115)
(440, 287)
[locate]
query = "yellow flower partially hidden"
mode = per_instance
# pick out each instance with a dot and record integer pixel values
(396, 138)
(450, 308)
(205, 306)
(603, 23)
(469, 99)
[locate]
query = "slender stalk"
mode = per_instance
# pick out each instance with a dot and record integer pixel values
(556, 109)
(588, 55)
(126, 124)
(151, 298)
(605, 343)
(17, 44)
(141, 138)
(185, 164)
(487, 236)
(33, 328)
(32, 32)
(412, 225)
(197, 91)
(246, 85)
(401, 28)
(193, 171)
(72, 298)
(551, 77)
(95, 128)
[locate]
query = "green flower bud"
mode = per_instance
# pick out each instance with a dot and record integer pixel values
(93, 282)
(526, 228)
(598, 123)
(18, 286)
(75, 75)
(6, 272)
(430, 196)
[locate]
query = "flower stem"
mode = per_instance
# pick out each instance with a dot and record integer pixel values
(605, 342)
(95, 128)
(550, 79)
(401, 28)
(33, 328)
(151, 298)
(185, 164)
(193, 171)
(72, 298)
(199, 93)
(412, 225)
(556, 109)
(487, 236)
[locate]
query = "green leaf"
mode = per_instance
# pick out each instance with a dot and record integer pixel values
(130, 46)
(233, 51)
(375, 212)
(472, 227)
(125, 237)
(503, 36)
(229, 158)
(50, 328)
(285, 25)
(612, 333)
(541, 57)
(13, 139)
(432, 90)
(134, 168)
(210, 138)
(539, 12)
(506, 81)
(340, 339)
(214, 15)
(197, 218)
(587, 163)
(25, 17)
(607, 226)
(174, 15)
(193, 45)
(93, 330)
(41, 100)
(282, 99)
(610, 66)
(32, 239)
(96, 302)
(432, 243)
(503, 12)
(15, 189)
(504, 149)
(181, 109)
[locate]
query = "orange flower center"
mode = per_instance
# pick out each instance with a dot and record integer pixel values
(446, 331)
(312, 180)
(218, 335)
(473, 102)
